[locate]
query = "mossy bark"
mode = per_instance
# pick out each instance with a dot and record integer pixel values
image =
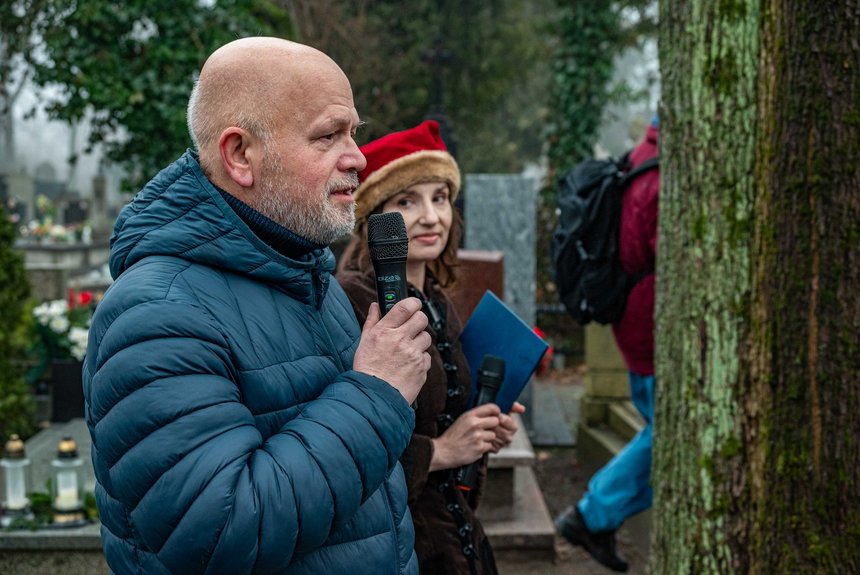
(757, 447)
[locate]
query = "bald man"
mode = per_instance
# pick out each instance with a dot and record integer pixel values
(241, 420)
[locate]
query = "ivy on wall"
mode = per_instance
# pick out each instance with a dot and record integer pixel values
(591, 35)
(589, 39)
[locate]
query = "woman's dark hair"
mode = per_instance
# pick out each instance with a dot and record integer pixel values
(356, 256)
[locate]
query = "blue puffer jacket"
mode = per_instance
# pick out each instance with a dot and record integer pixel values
(229, 433)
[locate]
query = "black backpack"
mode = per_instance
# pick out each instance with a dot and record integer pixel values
(585, 267)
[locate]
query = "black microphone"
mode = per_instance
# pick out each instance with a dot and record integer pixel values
(490, 378)
(388, 243)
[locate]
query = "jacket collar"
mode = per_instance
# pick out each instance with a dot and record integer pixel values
(181, 214)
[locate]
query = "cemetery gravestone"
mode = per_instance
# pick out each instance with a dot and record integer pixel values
(22, 188)
(500, 215)
(46, 183)
(15, 210)
(102, 221)
(75, 212)
(70, 550)
(480, 270)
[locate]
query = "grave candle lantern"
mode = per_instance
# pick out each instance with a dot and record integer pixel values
(68, 483)
(16, 471)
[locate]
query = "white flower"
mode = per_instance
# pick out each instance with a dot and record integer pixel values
(58, 307)
(42, 313)
(78, 336)
(58, 318)
(53, 315)
(59, 324)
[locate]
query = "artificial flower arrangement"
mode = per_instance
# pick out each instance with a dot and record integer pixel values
(45, 230)
(62, 328)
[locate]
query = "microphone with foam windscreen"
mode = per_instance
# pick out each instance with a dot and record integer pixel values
(491, 375)
(388, 244)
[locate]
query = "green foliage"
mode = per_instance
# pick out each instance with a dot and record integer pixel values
(16, 403)
(499, 85)
(582, 68)
(43, 513)
(128, 67)
(591, 35)
(19, 28)
(494, 83)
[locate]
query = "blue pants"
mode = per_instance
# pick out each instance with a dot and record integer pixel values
(622, 487)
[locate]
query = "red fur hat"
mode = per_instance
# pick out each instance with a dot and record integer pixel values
(402, 159)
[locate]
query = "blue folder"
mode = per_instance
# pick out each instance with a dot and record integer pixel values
(495, 329)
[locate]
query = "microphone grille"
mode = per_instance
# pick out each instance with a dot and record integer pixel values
(386, 235)
(493, 366)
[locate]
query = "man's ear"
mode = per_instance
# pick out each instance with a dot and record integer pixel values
(238, 154)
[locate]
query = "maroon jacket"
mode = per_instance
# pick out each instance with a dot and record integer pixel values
(638, 247)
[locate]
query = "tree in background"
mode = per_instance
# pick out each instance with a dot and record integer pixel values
(494, 84)
(592, 34)
(582, 68)
(128, 68)
(757, 425)
(19, 36)
(16, 402)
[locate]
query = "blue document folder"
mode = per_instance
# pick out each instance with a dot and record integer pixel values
(495, 329)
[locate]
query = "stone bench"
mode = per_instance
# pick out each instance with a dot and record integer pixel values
(512, 510)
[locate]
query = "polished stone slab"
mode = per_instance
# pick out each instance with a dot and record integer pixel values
(501, 214)
(513, 511)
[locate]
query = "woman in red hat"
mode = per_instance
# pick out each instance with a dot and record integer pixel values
(412, 172)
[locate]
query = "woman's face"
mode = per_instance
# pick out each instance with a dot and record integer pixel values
(427, 212)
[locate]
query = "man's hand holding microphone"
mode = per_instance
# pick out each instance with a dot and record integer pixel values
(394, 342)
(394, 347)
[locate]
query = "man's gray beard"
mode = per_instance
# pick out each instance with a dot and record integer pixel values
(321, 221)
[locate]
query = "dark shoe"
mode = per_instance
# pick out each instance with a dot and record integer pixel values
(601, 545)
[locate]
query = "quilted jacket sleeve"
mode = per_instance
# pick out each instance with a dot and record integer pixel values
(174, 445)
(418, 454)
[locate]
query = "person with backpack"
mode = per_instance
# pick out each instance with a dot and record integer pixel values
(622, 487)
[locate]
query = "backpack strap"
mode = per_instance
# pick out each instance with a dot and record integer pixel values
(634, 279)
(648, 164)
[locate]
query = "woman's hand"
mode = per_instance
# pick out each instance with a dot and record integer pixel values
(507, 427)
(470, 436)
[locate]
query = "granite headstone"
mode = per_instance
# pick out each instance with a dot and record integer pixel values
(500, 215)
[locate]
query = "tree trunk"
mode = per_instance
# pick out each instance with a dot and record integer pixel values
(757, 425)
(7, 133)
